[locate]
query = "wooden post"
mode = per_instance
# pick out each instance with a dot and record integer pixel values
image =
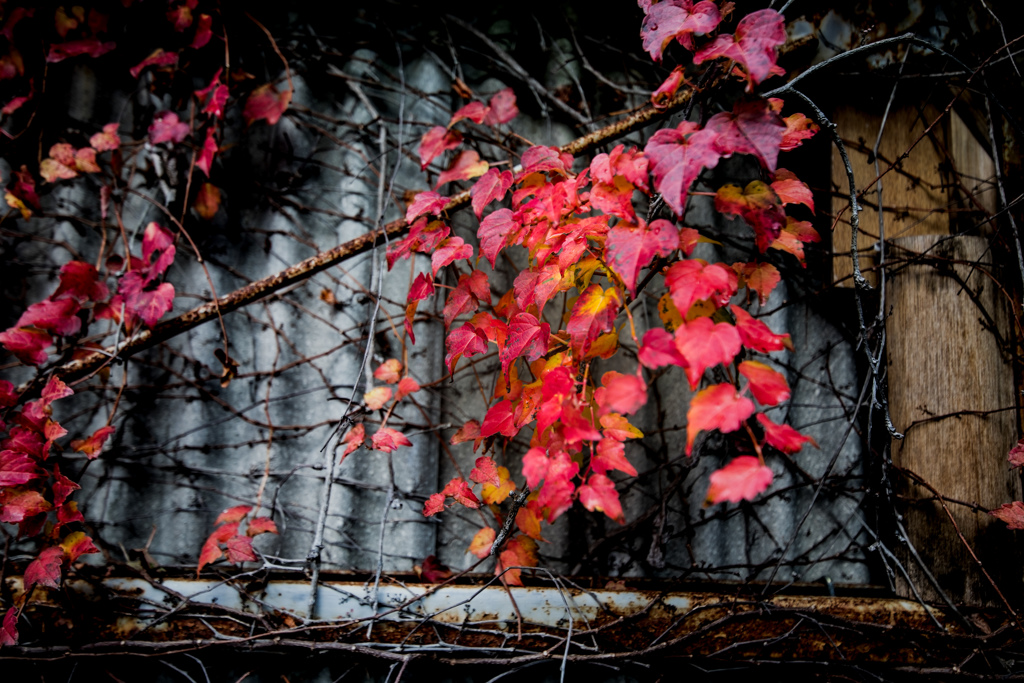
(951, 390)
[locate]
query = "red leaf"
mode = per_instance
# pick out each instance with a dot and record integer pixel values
(658, 349)
(631, 165)
(425, 203)
(466, 296)
(526, 337)
(157, 58)
(434, 505)
(167, 128)
(661, 97)
(759, 277)
(541, 159)
(757, 336)
(677, 156)
(202, 37)
(717, 407)
(468, 432)
(14, 104)
(768, 386)
(211, 552)
(19, 503)
(8, 396)
(611, 455)
(148, 305)
(556, 494)
(55, 389)
(434, 571)
(458, 489)
(742, 479)
(62, 487)
(17, 468)
(678, 19)
(73, 48)
(693, 280)
(624, 394)
(1011, 513)
(77, 544)
(521, 551)
(502, 108)
(482, 542)
(485, 472)
(783, 437)
(207, 201)
(205, 158)
(704, 343)
(758, 205)
(593, 314)
(58, 317)
(28, 345)
(423, 237)
(436, 141)
(406, 386)
(629, 249)
(452, 249)
(265, 102)
(798, 127)
(492, 186)
(388, 440)
(758, 35)
(599, 494)
(750, 128)
(68, 513)
(355, 438)
(239, 550)
(45, 569)
(792, 190)
(233, 515)
(467, 340)
(261, 525)
(493, 231)
(80, 281)
(92, 445)
(474, 111)
(9, 629)
(500, 419)
(465, 166)
(536, 286)
(421, 288)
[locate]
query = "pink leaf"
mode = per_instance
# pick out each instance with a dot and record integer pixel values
(167, 128)
(205, 158)
(458, 489)
(742, 479)
(1011, 513)
(467, 340)
(599, 494)
(452, 249)
(492, 233)
(388, 440)
(502, 108)
(611, 455)
(758, 35)
(624, 394)
(658, 349)
(677, 156)
(678, 19)
(436, 141)
(474, 111)
(425, 203)
(485, 472)
(465, 166)
(265, 102)
(704, 343)
(45, 569)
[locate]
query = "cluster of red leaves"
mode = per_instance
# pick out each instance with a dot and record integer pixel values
(140, 297)
(1012, 513)
(34, 494)
(29, 489)
(585, 240)
(227, 539)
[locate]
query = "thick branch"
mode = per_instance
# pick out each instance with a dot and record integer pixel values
(77, 369)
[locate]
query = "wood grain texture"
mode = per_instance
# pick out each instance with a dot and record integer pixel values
(951, 390)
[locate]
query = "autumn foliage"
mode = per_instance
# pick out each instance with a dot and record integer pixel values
(588, 230)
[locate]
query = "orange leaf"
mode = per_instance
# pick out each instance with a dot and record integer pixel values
(482, 541)
(768, 386)
(207, 201)
(389, 371)
(376, 398)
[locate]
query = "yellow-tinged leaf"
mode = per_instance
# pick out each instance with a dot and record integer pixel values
(668, 313)
(604, 346)
(376, 398)
(482, 541)
(492, 494)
